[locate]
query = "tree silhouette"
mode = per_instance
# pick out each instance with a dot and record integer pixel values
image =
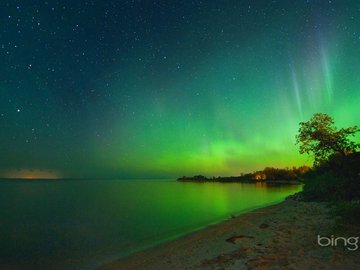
(321, 138)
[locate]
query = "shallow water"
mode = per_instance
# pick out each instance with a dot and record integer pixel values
(73, 224)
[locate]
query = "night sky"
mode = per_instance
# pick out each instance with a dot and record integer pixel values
(169, 88)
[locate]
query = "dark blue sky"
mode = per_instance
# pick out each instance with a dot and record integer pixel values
(165, 88)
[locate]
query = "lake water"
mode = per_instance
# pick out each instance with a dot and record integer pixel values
(72, 224)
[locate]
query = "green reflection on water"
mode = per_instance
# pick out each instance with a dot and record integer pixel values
(72, 224)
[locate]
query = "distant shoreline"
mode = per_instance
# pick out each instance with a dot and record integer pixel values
(268, 174)
(235, 179)
(31, 179)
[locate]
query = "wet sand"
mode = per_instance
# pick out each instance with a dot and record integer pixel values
(282, 236)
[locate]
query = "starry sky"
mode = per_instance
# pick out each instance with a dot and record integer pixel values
(134, 89)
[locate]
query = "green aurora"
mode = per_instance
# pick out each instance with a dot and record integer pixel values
(215, 89)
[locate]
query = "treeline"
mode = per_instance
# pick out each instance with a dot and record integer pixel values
(335, 177)
(268, 174)
(336, 180)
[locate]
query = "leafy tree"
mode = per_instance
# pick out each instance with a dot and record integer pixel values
(320, 137)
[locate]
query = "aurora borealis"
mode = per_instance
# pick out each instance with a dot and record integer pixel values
(169, 88)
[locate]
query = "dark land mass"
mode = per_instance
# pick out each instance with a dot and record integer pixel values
(269, 174)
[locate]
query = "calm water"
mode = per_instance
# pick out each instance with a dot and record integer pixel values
(80, 224)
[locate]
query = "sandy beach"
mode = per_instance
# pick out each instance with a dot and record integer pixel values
(282, 236)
